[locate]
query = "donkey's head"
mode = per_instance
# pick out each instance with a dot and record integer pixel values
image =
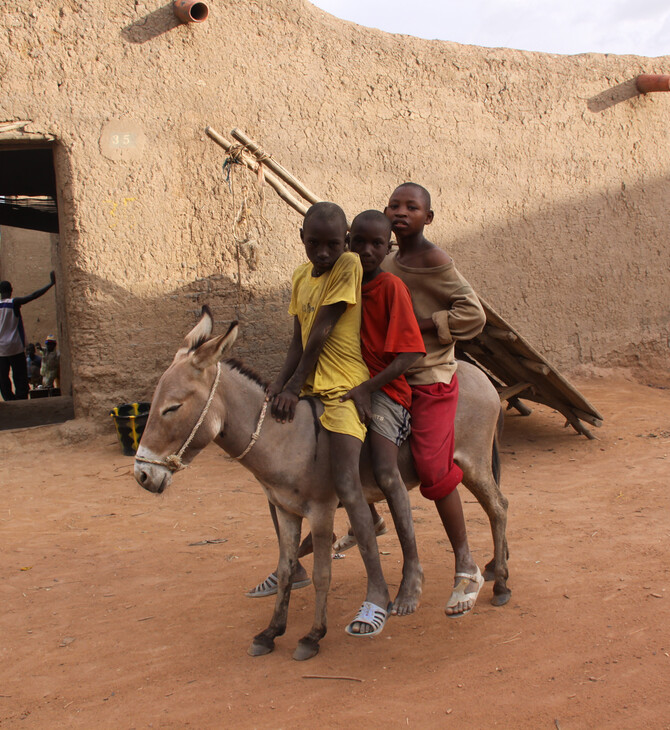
(181, 422)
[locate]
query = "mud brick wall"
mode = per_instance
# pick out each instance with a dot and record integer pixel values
(549, 174)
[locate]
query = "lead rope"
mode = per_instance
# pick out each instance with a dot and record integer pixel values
(174, 462)
(256, 433)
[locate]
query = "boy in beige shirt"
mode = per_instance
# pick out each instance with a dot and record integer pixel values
(447, 310)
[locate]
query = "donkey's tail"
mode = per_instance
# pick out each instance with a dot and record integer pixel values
(495, 455)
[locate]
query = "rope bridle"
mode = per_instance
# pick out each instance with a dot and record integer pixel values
(173, 462)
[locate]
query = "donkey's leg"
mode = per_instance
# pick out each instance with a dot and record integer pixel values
(478, 478)
(267, 587)
(289, 537)
(385, 467)
(321, 523)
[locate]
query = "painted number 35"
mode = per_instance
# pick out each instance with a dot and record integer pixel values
(123, 140)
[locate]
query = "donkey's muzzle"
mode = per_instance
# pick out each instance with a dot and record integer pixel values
(152, 479)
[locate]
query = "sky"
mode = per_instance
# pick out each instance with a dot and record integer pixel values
(640, 27)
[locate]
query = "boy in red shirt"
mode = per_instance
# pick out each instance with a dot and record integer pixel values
(390, 343)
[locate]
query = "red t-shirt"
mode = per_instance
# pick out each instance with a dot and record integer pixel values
(389, 327)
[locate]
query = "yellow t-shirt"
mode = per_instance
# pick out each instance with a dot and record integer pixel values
(340, 366)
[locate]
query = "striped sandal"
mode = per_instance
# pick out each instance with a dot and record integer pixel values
(268, 587)
(373, 616)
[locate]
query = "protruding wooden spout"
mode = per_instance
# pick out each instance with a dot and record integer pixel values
(190, 11)
(652, 82)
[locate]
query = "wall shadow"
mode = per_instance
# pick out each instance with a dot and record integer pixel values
(151, 25)
(611, 97)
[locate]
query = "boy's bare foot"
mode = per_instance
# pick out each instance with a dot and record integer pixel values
(464, 595)
(409, 593)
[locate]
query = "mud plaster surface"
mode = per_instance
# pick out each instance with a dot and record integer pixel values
(549, 175)
(112, 619)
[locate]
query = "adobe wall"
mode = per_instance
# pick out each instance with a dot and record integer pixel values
(549, 175)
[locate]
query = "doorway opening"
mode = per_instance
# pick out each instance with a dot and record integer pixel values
(29, 251)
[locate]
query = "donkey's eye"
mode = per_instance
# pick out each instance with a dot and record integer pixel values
(171, 409)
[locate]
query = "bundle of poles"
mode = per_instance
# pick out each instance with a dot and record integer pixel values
(247, 152)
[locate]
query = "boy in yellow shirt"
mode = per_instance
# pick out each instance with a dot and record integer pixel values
(324, 360)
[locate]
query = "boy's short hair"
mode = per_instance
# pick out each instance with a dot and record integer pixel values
(422, 191)
(326, 211)
(5, 288)
(374, 216)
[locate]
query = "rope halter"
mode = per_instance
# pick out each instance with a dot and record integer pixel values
(173, 462)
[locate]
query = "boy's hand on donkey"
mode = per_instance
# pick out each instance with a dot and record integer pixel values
(360, 395)
(273, 390)
(283, 406)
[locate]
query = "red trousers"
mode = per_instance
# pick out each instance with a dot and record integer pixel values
(432, 441)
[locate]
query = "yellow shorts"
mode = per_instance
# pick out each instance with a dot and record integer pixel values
(340, 417)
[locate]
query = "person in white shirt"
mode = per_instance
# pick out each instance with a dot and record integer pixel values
(13, 341)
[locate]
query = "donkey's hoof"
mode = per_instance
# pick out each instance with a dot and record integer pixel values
(500, 599)
(257, 649)
(305, 650)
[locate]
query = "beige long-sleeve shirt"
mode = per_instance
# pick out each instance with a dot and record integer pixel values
(443, 295)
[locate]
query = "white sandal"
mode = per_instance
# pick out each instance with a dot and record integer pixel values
(371, 615)
(458, 595)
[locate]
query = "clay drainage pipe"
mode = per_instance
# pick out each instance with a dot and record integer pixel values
(652, 82)
(190, 11)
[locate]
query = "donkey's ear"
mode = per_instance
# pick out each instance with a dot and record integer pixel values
(201, 331)
(210, 352)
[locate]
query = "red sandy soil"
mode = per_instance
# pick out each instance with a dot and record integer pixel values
(112, 618)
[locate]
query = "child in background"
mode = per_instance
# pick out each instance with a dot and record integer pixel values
(447, 310)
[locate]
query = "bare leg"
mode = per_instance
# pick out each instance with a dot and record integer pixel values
(450, 510)
(385, 466)
(344, 462)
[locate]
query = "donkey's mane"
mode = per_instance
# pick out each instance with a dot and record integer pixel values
(246, 371)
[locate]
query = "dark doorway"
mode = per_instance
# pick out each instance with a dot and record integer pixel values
(29, 250)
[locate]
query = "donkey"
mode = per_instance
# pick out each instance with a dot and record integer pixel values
(200, 399)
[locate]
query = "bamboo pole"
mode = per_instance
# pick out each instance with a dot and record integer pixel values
(534, 366)
(597, 422)
(512, 390)
(281, 171)
(519, 405)
(253, 165)
(499, 334)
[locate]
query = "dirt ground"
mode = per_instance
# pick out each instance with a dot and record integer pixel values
(114, 616)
